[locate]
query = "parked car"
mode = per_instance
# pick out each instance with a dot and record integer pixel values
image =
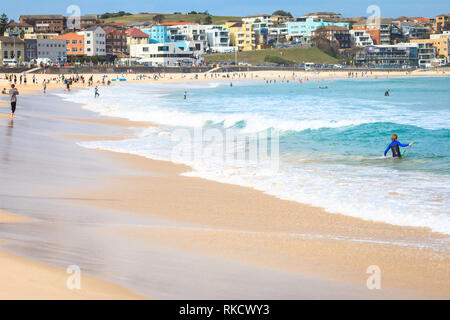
(10, 63)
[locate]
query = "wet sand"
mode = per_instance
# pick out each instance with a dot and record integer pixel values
(22, 278)
(138, 223)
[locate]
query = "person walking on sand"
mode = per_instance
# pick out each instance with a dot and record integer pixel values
(45, 86)
(13, 93)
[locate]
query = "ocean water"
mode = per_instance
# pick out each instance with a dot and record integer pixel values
(325, 146)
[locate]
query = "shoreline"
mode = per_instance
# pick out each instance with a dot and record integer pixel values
(56, 84)
(257, 225)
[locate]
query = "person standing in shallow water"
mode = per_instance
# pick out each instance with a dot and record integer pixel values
(395, 145)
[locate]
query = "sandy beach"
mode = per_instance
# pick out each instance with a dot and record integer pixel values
(140, 229)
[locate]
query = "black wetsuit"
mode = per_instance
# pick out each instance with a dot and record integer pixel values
(395, 147)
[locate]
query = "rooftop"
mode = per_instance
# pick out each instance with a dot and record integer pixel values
(19, 24)
(11, 40)
(42, 16)
(333, 28)
(136, 33)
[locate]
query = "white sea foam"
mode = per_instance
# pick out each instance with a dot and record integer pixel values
(334, 182)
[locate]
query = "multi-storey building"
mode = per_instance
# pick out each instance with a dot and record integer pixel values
(18, 29)
(136, 36)
(265, 19)
(389, 56)
(94, 41)
(45, 23)
(440, 43)
(74, 43)
(440, 22)
(380, 31)
(11, 48)
(302, 28)
(52, 49)
(116, 42)
(162, 54)
(334, 33)
(157, 34)
(361, 38)
(412, 31)
(219, 39)
(243, 36)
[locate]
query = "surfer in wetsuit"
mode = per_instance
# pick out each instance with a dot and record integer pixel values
(395, 147)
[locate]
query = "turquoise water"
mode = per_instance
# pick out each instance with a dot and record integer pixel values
(330, 141)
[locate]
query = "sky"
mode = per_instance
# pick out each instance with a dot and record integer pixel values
(349, 8)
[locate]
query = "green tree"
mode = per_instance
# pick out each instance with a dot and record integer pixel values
(282, 13)
(159, 18)
(208, 20)
(3, 23)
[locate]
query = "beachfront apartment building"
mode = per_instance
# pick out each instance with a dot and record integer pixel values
(74, 43)
(157, 34)
(18, 29)
(135, 37)
(53, 23)
(360, 38)
(116, 42)
(11, 48)
(94, 41)
(187, 32)
(277, 33)
(301, 30)
(53, 50)
(243, 36)
(389, 56)
(218, 38)
(162, 55)
(440, 42)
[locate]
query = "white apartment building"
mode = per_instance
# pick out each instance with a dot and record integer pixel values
(218, 39)
(162, 55)
(94, 41)
(361, 38)
(426, 54)
(188, 32)
(265, 19)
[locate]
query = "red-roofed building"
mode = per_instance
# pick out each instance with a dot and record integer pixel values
(16, 29)
(136, 36)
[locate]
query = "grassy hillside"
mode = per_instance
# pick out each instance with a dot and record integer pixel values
(170, 18)
(296, 55)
